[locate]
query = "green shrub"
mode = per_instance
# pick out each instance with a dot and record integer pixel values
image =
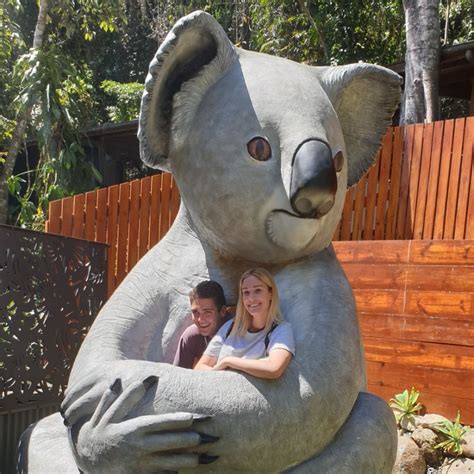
(454, 434)
(127, 100)
(406, 406)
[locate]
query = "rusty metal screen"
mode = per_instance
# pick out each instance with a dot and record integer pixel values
(51, 288)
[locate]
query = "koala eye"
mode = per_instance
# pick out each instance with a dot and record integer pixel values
(259, 149)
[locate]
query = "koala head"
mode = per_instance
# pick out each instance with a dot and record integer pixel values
(262, 148)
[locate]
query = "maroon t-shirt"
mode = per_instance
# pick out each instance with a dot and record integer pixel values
(192, 345)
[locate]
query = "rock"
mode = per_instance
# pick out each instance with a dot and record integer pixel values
(429, 421)
(410, 459)
(468, 445)
(408, 424)
(426, 440)
(457, 466)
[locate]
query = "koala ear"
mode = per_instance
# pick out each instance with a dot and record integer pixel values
(365, 98)
(193, 56)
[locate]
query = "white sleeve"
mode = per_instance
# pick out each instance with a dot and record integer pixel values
(282, 338)
(214, 347)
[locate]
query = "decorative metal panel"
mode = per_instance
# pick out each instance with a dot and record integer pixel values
(51, 288)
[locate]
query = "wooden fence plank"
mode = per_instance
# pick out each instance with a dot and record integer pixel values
(101, 213)
(418, 328)
(67, 205)
(432, 191)
(392, 251)
(423, 181)
(470, 211)
(54, 216)
(90, 218)
(144, 226)
(453, 185)
(379, 300)
(426, 354)
(133, 224)
(346, 218)
(78, 216)
(465, 178)
(358, 216)
(433, 380)
(122, 242)
(438, 231)
(364, 276)
(415, 164)
(372, 178)
(385, 165)
(404, 208)
(440, 278)
(394, 191)
(112, 231)
(433, 303)
(155, 207)
(442, 252)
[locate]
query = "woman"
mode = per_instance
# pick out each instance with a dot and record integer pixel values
(258, 342)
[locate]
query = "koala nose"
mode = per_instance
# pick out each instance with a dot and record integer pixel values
(313, 180)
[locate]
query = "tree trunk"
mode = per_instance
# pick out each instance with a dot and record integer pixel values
(420, 99)
(21, 122)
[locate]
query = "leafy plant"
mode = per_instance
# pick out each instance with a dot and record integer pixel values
(406, 405)
(454, 434)
(127, 100)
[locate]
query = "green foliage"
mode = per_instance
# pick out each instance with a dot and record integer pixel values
(127, 100)
(406, 405)
(54, 88)
(453, 434)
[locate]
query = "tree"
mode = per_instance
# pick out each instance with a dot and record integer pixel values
(21, 121)
(420, 98)
(52, 84)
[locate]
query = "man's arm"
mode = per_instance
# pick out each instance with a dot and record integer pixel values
(206, 362)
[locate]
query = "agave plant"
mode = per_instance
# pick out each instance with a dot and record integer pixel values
(406, 406)
(454, 434)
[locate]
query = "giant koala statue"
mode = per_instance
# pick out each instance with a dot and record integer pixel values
(262, 149)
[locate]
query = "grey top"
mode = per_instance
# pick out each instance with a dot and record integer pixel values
(252, 344)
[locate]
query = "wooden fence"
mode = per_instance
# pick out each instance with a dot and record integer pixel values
(422, 187)
(415, 302)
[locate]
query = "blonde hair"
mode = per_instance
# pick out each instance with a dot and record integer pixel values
(243, 318)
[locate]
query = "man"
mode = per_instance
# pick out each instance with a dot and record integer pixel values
(208, 308)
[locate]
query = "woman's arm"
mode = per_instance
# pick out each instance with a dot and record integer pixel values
(272, 367)
(206, 363)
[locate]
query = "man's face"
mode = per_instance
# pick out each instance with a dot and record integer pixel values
(206, 316)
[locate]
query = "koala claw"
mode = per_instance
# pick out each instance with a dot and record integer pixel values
(206, 438)
(206, 458)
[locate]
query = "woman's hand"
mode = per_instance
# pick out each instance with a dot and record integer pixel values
(225, 363)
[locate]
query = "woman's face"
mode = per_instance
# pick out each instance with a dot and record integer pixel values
(256, 296)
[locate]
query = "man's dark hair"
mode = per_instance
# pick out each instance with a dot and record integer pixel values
(209, 289)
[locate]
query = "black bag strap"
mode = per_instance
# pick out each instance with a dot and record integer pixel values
(267, 337)
(229, 330)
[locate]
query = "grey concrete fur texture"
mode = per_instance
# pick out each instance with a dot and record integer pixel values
(204, 101)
